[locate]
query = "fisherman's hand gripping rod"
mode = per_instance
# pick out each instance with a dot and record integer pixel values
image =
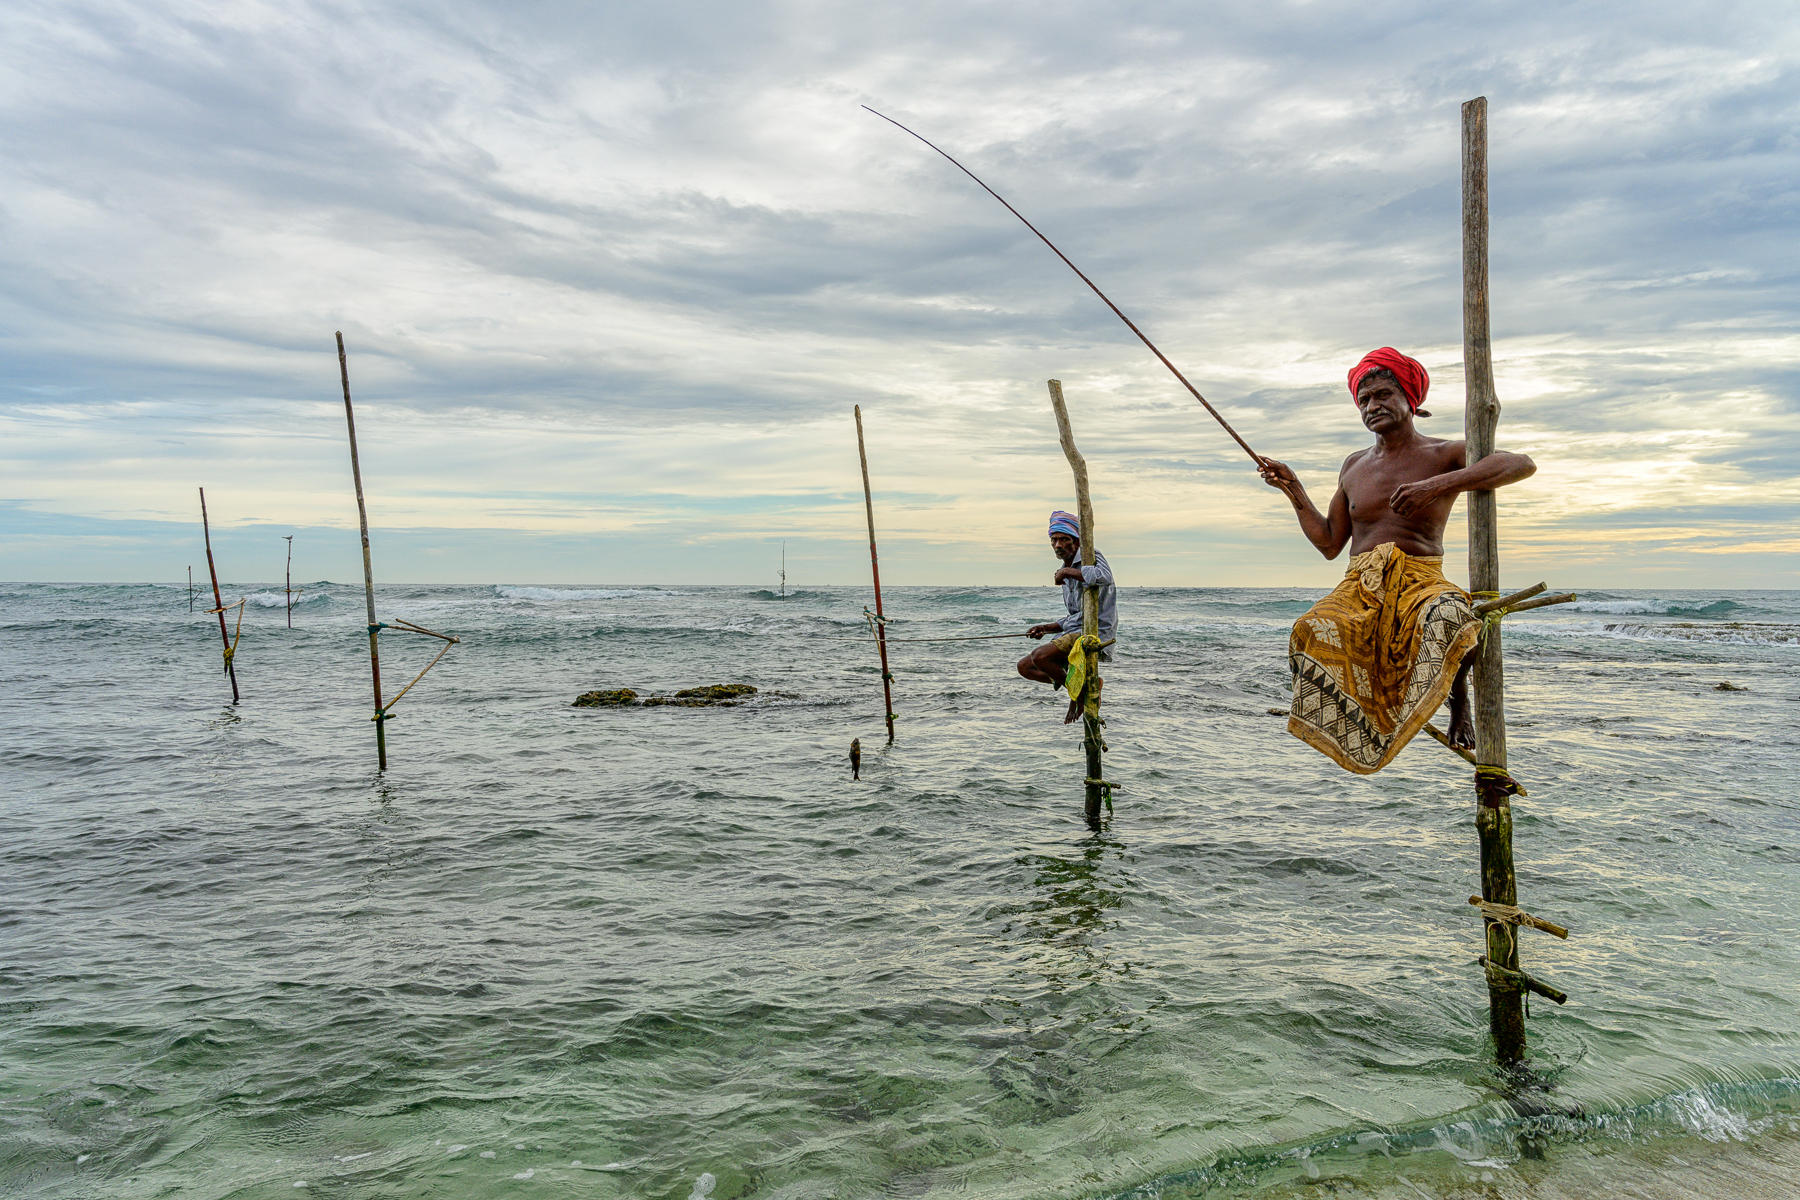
(1226, 425)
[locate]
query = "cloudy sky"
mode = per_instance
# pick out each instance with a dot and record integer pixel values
(613, 275)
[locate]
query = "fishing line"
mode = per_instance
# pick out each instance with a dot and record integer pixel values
(1226, 425)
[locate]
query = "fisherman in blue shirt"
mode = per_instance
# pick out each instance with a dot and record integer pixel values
(1049, 663)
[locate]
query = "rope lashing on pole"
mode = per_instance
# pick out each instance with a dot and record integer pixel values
(1161, 357)
(385, 712)
(237, 630)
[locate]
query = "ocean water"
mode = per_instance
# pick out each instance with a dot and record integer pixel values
(664, 952)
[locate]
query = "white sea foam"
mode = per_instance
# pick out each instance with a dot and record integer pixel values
(1701, 1114)
(545, 595)
(526, 1174)
(703, 1186)
(1733, 633)
(279, 599)
(1655, 606)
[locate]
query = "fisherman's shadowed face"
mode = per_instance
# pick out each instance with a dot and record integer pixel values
(1064, 546)
(1383, 405)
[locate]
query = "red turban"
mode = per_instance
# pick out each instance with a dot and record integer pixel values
(1409, 371)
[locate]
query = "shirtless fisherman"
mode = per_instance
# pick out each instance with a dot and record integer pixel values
(1049, 663)
(1373, 660)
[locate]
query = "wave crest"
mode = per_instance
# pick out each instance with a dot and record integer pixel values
(544, 595)
(1656, 607)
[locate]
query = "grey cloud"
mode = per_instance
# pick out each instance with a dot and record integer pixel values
(192, 205)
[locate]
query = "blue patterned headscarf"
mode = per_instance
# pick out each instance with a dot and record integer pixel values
(1069, 523)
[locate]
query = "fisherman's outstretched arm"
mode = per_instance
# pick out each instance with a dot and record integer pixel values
(1328, 531)
(1498, 469)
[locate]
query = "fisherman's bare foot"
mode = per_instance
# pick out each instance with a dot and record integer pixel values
(1462, 726)
(1462, 721)
(1075, 705)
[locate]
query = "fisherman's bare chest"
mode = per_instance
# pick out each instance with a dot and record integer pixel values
(1369, 479)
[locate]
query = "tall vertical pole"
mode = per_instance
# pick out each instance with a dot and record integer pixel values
(218, 600)
(1090, 598)
(362, 517)
(290, 581)
(1493, 805)
(190, 587)
(887, 677)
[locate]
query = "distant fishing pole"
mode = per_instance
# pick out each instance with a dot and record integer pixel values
(1254, 456)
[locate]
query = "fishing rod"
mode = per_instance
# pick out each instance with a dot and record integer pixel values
(1226, 425)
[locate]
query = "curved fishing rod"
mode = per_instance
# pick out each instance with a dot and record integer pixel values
(1226, 425)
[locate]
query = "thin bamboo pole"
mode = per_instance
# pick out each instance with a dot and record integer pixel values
(289, 584)
(1093, 789)
(1493, 807)
(218, 600)
(887, 676)
(190, 587)
(362, 517)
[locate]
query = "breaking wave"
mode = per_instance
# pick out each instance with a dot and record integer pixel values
(1739, 633)
(544, 595)
(279, 600)
(771, 594)
(1653, 606)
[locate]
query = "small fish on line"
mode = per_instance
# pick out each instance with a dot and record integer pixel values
(856, 758)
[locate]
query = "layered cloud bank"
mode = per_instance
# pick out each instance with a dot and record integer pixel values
(612, 280)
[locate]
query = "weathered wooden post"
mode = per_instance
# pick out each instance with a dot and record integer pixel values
(1091, 742)
(1493, 786)
(289, 583)
(362, 517)
(190, 587)
(219, 600)
(887, 677)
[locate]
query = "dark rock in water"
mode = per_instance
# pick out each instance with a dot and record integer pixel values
(716, 695)
(1730, 687)
(610, 699)
(716, 691)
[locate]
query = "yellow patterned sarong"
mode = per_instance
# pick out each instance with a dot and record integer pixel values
(1375, 659)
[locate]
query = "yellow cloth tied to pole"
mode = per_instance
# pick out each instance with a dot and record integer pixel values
(1374, 660)
(1084, 659)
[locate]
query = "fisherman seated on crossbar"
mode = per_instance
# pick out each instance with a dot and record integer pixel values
(1373, 660)
(1049, 663)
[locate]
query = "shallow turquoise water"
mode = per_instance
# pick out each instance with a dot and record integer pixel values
(664, 952)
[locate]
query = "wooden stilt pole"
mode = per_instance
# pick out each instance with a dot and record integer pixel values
(190, 587)
(1493, 805)
(289, 584)
(218, 600)
(1094, 789)
(887, 677)
(362, 517)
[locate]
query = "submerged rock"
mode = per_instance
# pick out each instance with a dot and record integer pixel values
(613, 698)
(1729, 687)
(715, 695)
(716, 691)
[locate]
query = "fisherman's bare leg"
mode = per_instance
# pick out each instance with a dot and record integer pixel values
(1046, 664)
(1462, 720)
